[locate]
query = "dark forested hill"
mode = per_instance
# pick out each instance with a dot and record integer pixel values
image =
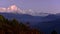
(46, 23)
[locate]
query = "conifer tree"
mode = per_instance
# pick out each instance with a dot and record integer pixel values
(54, 32)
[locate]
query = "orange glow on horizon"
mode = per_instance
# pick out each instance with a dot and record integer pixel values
(2, 9)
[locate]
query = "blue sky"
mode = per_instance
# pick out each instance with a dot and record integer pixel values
(50, 6)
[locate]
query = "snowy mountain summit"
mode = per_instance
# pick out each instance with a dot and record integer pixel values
(14, 9)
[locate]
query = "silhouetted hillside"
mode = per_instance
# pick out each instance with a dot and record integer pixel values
(46, 23)
(14, 27)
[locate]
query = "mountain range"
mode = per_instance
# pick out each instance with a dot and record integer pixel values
(45, 23)
(30, 18)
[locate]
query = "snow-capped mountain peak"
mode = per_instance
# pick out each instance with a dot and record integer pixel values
(16, 9)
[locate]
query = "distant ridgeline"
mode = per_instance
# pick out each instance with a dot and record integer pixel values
(14, 27)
